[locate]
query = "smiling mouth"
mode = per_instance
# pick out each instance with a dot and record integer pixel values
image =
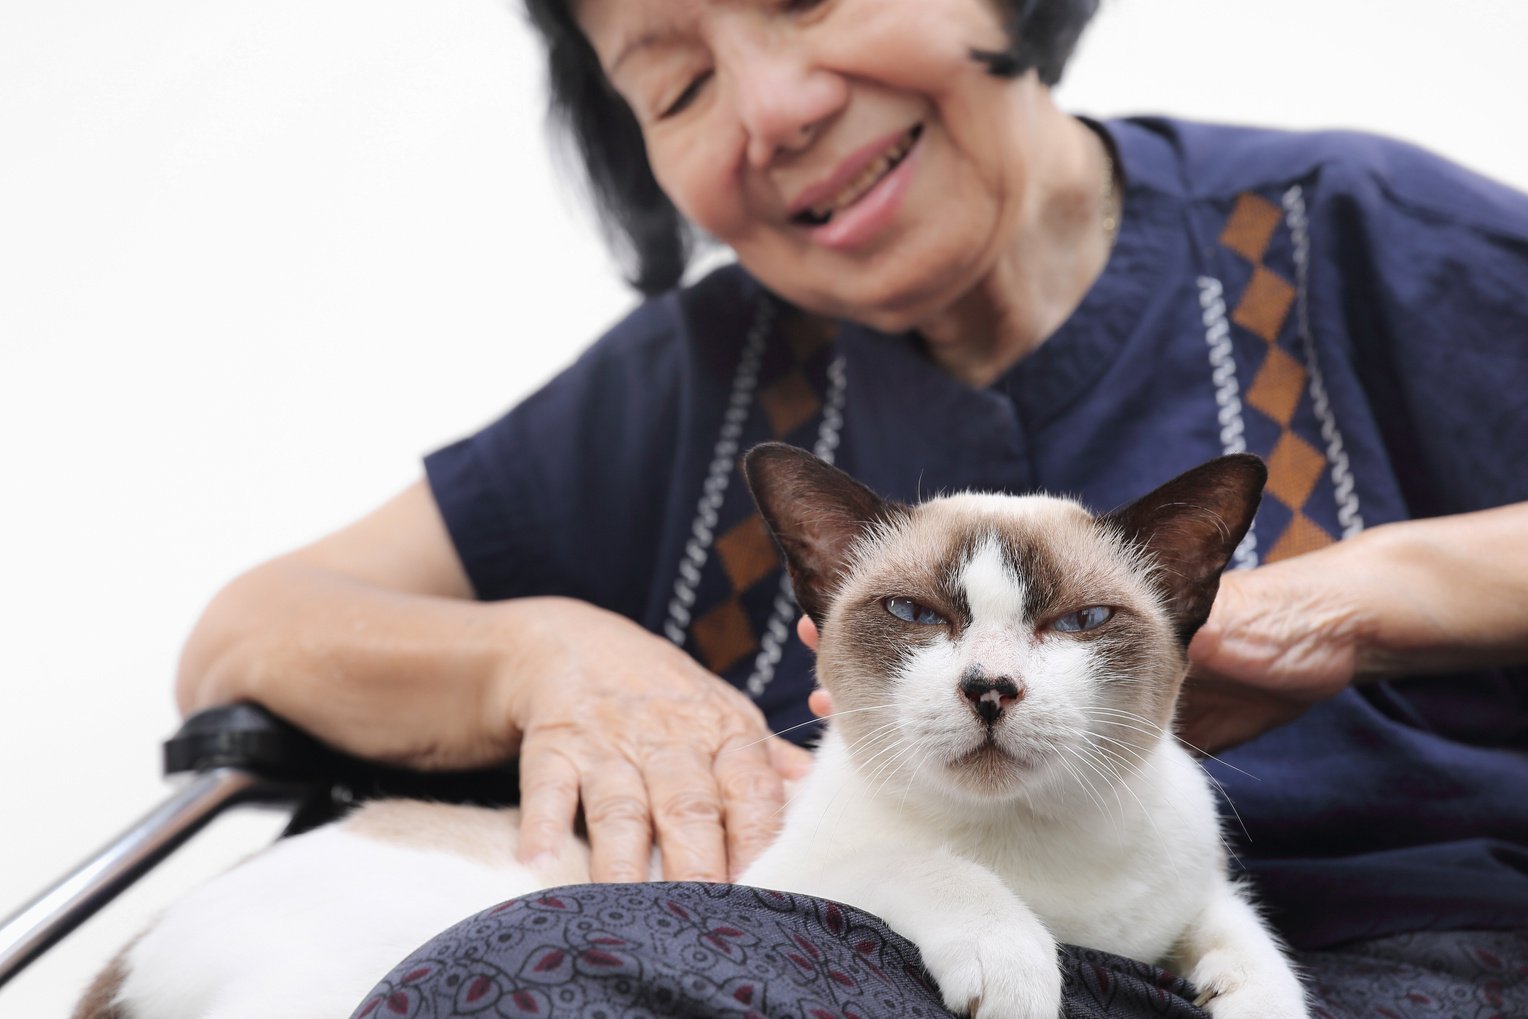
(868, 178)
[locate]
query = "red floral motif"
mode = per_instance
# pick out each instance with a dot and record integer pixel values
(398, 1003)
(834, 917)
(414, 976)
(1489, 959)
(479, 988)
(549, 961)
(594, 957)
(526, 1002)
(744, 994)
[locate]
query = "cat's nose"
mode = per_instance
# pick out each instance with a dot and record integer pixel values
(990, 695)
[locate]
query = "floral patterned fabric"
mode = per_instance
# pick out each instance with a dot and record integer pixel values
(673, 950)
(707, 951)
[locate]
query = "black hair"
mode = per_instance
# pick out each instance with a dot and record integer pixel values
(647, 235)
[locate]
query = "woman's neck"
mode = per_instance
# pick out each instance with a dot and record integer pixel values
(1059, 249)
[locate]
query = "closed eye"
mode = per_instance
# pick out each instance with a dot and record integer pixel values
(1083, 620)
(910, 611)
(685, 98)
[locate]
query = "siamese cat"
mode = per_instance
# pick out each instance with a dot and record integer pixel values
(999, 774)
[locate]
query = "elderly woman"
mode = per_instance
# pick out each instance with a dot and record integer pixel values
(946, 282)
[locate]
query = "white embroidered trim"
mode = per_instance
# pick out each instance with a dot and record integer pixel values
(723, 463)
(1344, 489)
(772, 645)
(1233, 429)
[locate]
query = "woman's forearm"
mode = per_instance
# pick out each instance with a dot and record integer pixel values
(1442, 593)
(385, 674)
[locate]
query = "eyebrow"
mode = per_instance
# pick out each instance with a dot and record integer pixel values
(633, 45)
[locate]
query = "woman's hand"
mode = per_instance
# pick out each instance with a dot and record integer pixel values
(653, 746)
(370, 639)
(1279, 639)
(1409, 598)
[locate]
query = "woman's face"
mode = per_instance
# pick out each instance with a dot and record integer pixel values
(851, 152)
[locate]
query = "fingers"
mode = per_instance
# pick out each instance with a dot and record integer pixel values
(687, 814)
(753, 796)
(820, 702)
(789, 761)
(807, 631)
(616, 815)
(548, 801)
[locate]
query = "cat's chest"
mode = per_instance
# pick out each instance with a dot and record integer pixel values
(1129, 899)
(1125, 880)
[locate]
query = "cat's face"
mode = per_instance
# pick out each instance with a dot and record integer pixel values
(999, 647)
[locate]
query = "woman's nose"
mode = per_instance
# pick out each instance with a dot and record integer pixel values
(782, 97)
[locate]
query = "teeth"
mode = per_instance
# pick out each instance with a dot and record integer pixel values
(866, 179)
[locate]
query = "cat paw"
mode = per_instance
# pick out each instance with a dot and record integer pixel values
(1231, 991)
(1000, 973)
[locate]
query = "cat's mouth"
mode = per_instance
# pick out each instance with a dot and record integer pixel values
(990, 754)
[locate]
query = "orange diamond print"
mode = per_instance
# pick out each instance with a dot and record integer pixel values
(724, 636)
(1277, 387)
(1250, 226)
(747, 553)
(1301, 536)
(789, 403)
(1294, 467)
(806, 334)
(1265, 304)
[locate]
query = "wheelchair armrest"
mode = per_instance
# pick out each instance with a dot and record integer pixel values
(250, 738)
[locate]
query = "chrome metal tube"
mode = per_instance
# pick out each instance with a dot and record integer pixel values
(42, 922)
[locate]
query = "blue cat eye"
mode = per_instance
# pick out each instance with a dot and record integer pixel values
(1090, 618)
(910, 611)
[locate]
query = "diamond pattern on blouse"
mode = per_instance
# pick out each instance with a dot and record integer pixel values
(723, 633)
(1280, 382)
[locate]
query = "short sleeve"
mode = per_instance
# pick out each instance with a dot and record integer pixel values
(570, 493)
(1434, 290)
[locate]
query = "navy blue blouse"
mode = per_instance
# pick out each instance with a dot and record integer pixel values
(1350, 308)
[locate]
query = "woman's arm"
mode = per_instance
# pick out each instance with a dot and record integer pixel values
(1422, 596)
(370, 640)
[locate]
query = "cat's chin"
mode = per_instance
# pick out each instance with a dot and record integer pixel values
(993, 770)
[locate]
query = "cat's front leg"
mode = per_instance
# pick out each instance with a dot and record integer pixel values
(987, 951)
(1230, 955)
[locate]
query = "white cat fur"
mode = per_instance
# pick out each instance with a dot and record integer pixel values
(1084, 850)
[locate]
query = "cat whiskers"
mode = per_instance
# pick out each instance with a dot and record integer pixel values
(803, 725)
(1087, 786)
(928, 752)
(1121, 781)
(892, 747)
(1156, 730)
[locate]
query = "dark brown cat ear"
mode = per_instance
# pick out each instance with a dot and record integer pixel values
(1191, 526)
(815, 512)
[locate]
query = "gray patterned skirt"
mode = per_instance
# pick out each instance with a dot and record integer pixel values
(671, 950)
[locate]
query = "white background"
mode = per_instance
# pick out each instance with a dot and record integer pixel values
(257, 257)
